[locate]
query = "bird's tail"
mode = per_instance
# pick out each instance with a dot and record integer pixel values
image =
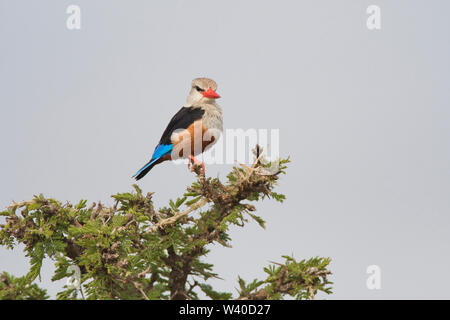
(145, 169)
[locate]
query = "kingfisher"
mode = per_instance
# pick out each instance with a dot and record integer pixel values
(195, 128)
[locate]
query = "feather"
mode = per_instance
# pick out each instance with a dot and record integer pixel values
(161, 150)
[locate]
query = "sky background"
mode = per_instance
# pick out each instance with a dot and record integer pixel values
(364, 116)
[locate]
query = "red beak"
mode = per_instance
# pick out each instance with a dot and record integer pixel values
(210, 93)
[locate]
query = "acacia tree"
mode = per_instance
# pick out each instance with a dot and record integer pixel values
(132, 251)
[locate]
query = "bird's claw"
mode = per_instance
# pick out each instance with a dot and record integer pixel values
(195, 162)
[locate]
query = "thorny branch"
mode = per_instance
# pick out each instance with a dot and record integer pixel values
(132, 251)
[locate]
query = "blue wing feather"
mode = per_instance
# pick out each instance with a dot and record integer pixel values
(160, 151)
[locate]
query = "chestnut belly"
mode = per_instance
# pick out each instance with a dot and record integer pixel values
(193, 140)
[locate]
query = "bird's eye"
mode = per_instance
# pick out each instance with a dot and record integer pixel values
(199, 89)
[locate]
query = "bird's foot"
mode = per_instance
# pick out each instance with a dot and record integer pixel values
(195, 162)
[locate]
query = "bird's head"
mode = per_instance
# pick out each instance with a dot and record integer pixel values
(203, 90)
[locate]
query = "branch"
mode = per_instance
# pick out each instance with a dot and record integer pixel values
(301, 280)
(178, 216)
(131, 251)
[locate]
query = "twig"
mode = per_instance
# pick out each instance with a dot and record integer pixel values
(179, 215)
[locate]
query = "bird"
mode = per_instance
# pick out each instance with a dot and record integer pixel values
(195, 128)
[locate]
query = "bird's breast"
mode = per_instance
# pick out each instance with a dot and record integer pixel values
(212, 119)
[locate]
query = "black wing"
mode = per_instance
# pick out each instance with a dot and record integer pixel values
(181, 120)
